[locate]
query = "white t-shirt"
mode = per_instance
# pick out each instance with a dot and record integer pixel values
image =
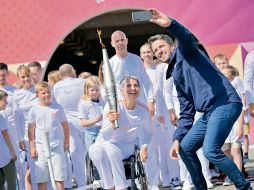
(5, 154)
(134, 125)
(161, 75)
(89, 110)
(9, 109)
(67, 93)
(132, 65)
(233, 136)
(24, 100)
(48, 119)
(164, 86)
(11, 112)
(172, 97)
(152, 74)
(157, 79)
(249, 77)
(238, 84)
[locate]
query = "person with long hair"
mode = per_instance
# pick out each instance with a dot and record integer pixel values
(91, 109)
(24, 99)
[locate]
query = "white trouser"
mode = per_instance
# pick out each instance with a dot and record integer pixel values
(204, 164)
(108, 159)
(31, 164)
(151, 166)
(153, 170)
(172, 165)
(162, 138)
(20, 167)
(77, 150)
(159, 146)
(68, 180)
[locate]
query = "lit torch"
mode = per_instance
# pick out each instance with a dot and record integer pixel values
(109, 80)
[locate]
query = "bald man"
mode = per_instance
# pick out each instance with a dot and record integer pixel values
(67, 93)
(125, 63)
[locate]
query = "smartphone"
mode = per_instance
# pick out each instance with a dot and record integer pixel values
(141, 16)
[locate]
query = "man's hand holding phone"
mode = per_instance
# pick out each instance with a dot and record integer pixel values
(153, 16)
(142, 16)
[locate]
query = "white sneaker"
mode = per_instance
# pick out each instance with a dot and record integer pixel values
(153, 187)
(214, 173)
(176, 184)
(187, 185)
(227, 182)
(209, 184)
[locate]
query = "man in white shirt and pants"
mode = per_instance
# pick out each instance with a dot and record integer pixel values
(67, 93)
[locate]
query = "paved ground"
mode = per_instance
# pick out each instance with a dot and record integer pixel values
(249, 168)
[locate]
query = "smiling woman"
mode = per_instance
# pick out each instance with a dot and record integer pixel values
(24, 77)
(114, 145)
(130, 89)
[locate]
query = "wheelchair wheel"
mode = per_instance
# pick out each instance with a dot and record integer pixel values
(89, 170)
(140, 171)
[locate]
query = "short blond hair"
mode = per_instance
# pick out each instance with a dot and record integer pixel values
(233, 70)
(91, 82)
(3, 94)
(221, 56)
(54, 76)
(84, 75)
(24, 68)
(40, 85)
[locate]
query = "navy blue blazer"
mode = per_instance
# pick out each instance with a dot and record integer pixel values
(198, 82)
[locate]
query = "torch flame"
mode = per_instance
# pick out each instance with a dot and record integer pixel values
(99, 34)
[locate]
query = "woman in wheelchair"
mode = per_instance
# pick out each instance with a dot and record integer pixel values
(112, 146)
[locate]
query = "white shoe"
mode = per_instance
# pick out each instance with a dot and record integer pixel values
(153, 187)
(187, 185)
(176, 184)
(227, 182)
(164, 185)
(209, 184)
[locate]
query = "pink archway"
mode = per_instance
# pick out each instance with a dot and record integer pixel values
(31, 30)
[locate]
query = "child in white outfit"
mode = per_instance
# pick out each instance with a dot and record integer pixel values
(7, 152)
(23, 99)
(90, 110)
(48, 117)
(232, 145)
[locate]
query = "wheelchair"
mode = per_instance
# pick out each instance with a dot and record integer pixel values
(134, 171)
